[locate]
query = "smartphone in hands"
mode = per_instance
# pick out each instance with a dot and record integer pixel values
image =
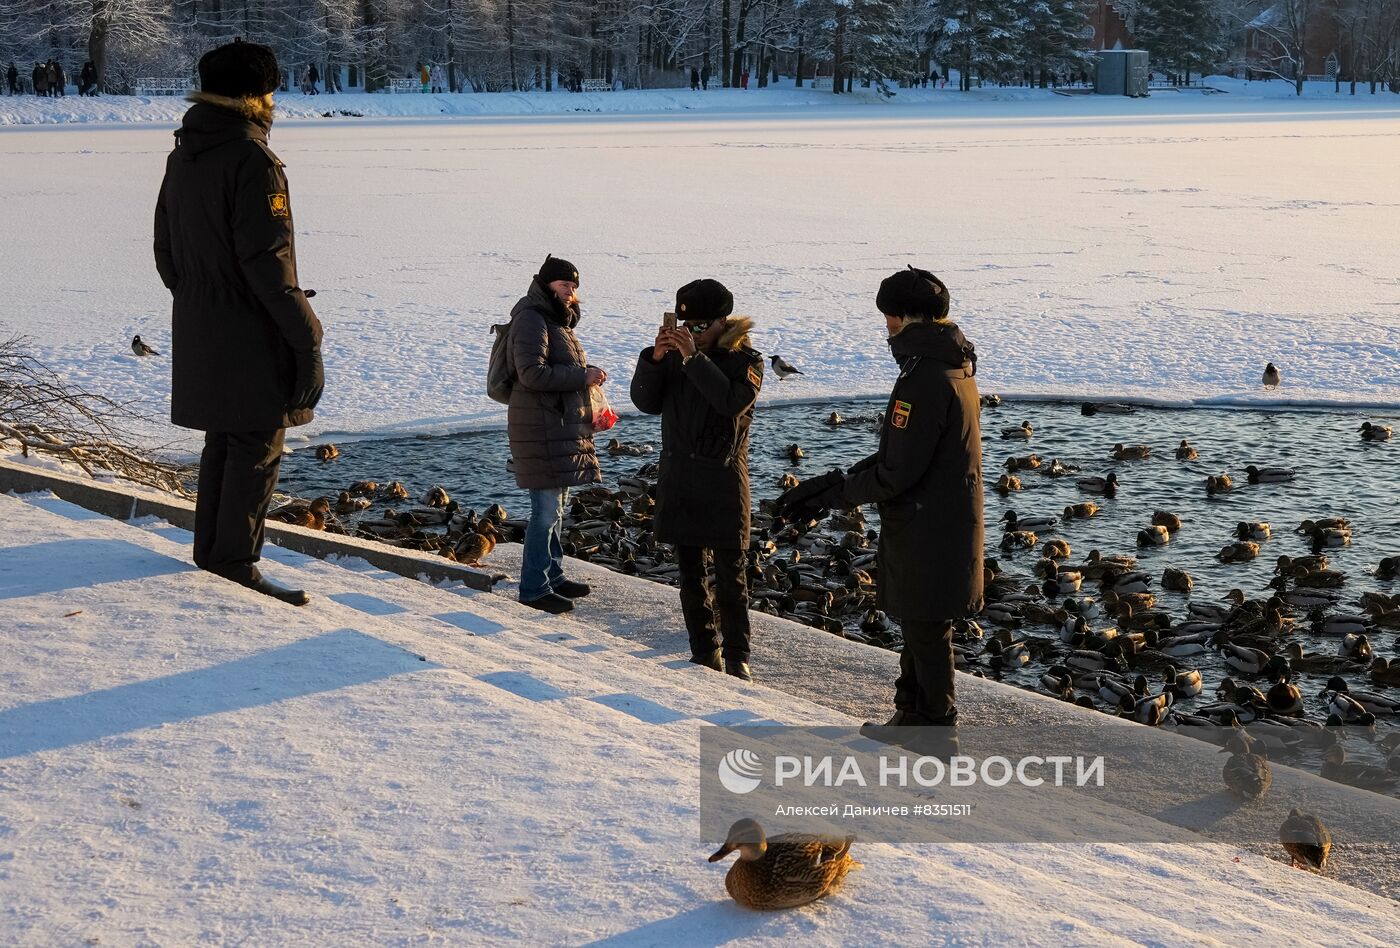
(668, 321)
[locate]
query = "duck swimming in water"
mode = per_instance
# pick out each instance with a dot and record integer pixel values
(1131, 452)
(1185, 451)
(786, 871)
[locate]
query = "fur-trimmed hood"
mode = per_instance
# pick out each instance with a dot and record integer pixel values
(215, 120)
(736, 333)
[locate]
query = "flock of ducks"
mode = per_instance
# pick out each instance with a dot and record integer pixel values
(1100, 650)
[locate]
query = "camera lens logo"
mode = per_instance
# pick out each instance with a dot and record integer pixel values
(739, 771)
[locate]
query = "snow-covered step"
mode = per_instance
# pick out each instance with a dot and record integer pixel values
(199, 763)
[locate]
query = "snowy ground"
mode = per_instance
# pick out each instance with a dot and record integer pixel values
(397, 764)
(1162, 249)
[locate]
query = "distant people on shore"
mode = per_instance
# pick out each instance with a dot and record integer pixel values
(694, 79)
(87, 79)
(309, 77)
(12, 78)
(424, 77)
(439, 79)
(704, 77)
(744, 78)
(58, 80)
(40, 79)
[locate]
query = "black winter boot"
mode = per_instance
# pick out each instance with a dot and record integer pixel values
(710, 660)
(572, 590)
(738, 669)
(553, 603)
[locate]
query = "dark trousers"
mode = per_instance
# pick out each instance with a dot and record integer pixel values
(723, 623)
(925, 683)
(237, 475)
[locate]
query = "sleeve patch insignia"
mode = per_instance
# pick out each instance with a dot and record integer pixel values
(755, 376)
(900, 417)
(278, 204)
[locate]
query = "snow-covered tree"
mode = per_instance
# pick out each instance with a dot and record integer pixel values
(1185, 36)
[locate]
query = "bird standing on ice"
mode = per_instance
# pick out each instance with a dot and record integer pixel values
(782, 368)
(1271, 377)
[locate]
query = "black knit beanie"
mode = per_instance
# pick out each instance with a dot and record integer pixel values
(557, 268)
(238, 70)
(703, 300)
(913, 292)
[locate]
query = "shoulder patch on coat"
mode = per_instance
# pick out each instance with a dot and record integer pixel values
(279, 205)
(900, 416)
(755, 376)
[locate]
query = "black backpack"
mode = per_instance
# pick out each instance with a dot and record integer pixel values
(500, 374)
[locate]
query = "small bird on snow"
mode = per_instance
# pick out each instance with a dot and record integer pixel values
(140, 348)
(1271, 376)
(781, 367)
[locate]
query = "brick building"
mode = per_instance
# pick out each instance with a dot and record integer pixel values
(1110, 28)
(1267, 36)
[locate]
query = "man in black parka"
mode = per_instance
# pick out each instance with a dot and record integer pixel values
(926, 479)
(246, 357)
(703, 379)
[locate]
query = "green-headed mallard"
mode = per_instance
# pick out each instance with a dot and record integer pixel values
(1021, 432)
(1015, 523)
(1370, 432)
(794, 453)
(1183, 684)
(1246, 774)
(1107, 485)
(1306, 840)
(1255, 530)
(1269, 475)
(1154, 536)
(786, 871)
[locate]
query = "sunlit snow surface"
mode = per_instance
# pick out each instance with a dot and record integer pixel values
(1158, 250)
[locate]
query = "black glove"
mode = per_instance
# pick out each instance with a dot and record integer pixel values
(814, 495)
(310, 380)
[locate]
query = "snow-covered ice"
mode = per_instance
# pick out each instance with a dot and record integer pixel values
(183, 761)
(1160, 250)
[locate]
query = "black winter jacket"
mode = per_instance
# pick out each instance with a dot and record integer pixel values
(224, 247)
(550, 416)
(926, 479)
(706, 408)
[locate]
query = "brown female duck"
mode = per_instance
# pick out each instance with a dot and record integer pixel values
(786, 871)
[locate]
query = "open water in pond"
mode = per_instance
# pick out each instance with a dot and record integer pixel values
(1338, 474)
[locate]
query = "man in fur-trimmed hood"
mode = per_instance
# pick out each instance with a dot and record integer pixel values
(245, 345)
(703, 379)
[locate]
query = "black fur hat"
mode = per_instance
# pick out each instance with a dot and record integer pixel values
(238, 70)
(913, 292)
(703, 300)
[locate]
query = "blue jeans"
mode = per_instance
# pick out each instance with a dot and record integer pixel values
(542, 566)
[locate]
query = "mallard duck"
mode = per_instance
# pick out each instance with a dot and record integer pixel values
(618, 449)
(1269, 475)
(1342, 706)
(1125, 583)
(1058, 468)
(1241, 552)
(1336, 767)
(1030, 462)
(794, 453)
(1309, 527)
(1019, 540)
(1306, 840)
(1150, 710)
(1183, 684)
(835, 419)
(1006, 484)
(1165, 518)
(1368, 700)
(1082, 511)
(786, 871)
(1107, 485)
(496, 514)
(1385, 673)
(327, 452)
(1114, 691)
(1243, 659)
(1319, 578)
(1014, 522)
(394, 490)
(1257, 530)
(1090, 409)
(1177, 580)
(1356, 647)
(1062, 583)
(1285, 697)
(301, 514)
(1057, 550)
(1370, 432)
(1218, 611)
(1312, 661)
(363, 488)
(346, 503)
(1219, 484)
(1154, 536)
(788, 481)
(1058, 682)
(436, 497)
(1185, 452)
(991, 401)
(1021, 432)
(1246, 774)
(1291, 565)
(476, 544)
(1131, 452)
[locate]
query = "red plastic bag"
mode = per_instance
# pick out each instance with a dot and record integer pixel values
(603, 415)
